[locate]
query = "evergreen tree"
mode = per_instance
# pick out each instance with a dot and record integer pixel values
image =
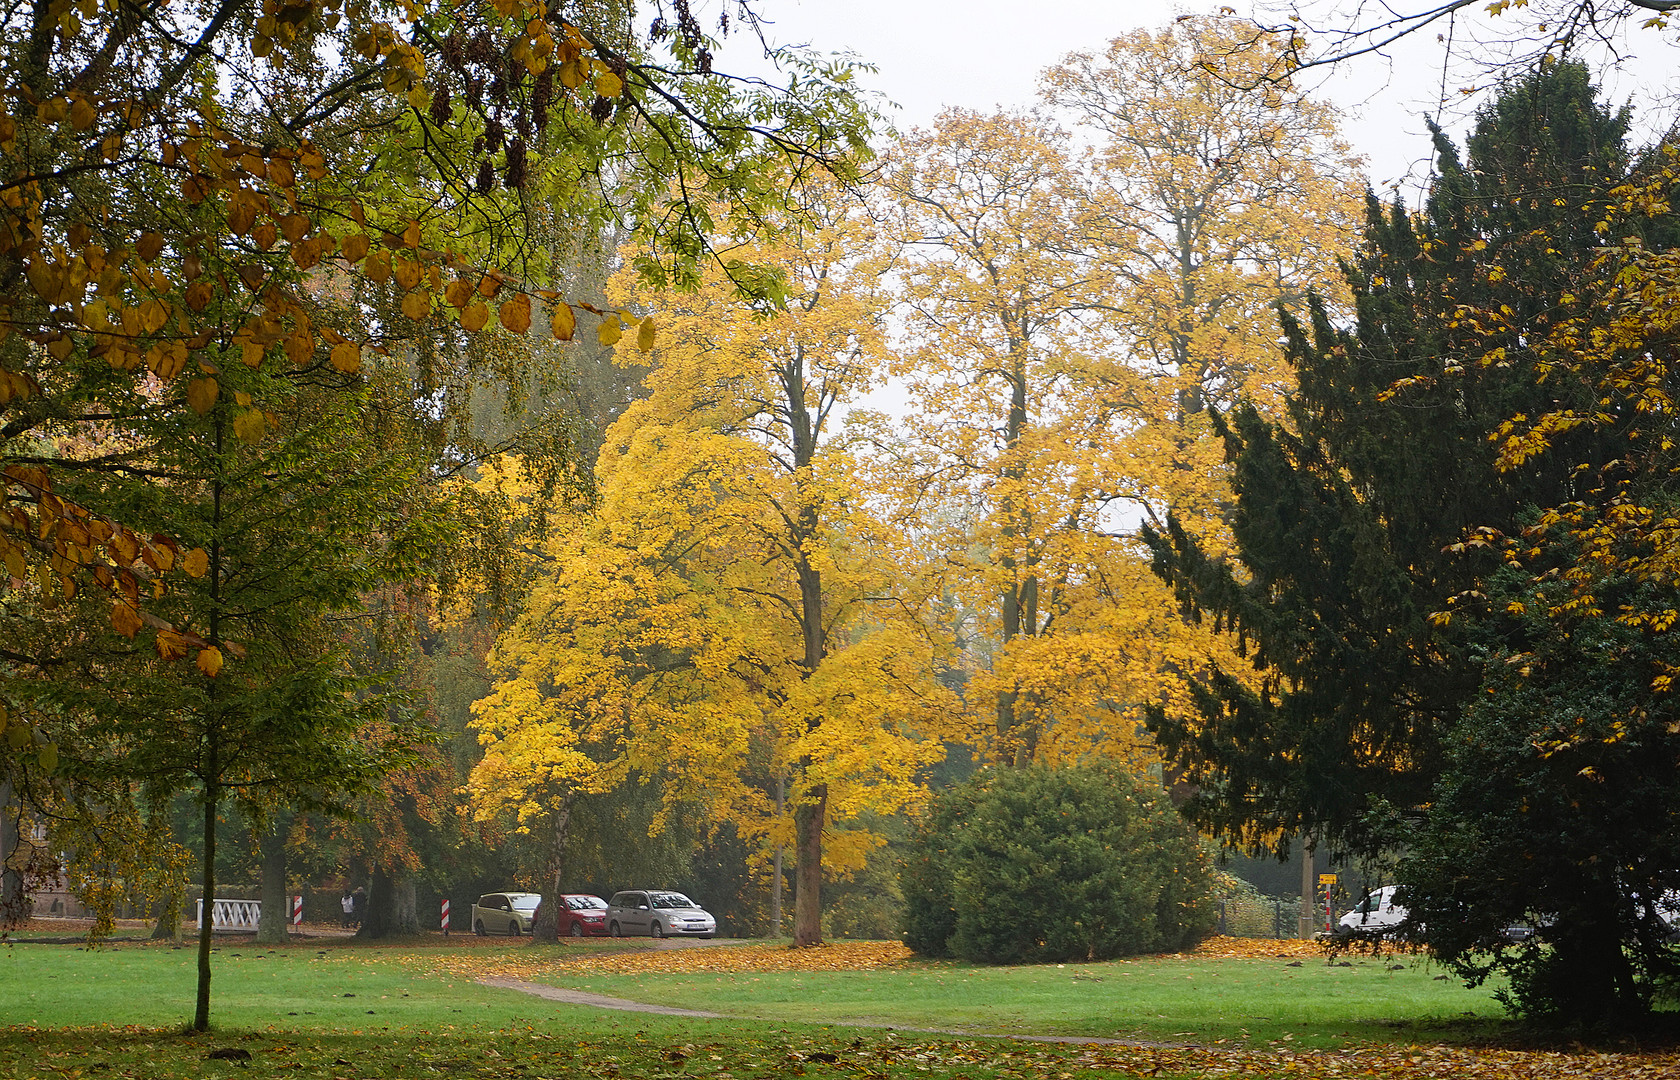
(1358, 522)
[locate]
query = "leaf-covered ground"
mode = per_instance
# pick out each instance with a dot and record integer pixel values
(547, 1050)
(685, 958)
(724, 958)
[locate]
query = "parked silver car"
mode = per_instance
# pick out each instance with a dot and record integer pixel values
(657, 913)
(505, 913)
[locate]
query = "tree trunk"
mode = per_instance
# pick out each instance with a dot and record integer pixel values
(545, 926)
(807, 889)
(207, 920)
(274, 920)
(212, 775)
(776, 869)
(166, 909)
(405, 907)
(376, 917)
(1309, 890)
(14, 902)
(390, 906)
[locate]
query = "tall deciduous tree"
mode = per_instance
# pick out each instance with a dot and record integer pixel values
(731, 616)
(1516, 37)
(1006, 374)
(1067, 325)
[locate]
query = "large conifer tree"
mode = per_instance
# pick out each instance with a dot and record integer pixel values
(1356, 521)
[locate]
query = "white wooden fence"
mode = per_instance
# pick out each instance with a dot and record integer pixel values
(231, 914)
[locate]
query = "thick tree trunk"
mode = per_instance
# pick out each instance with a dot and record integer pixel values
(391, 910)
(546, 925)
(807, 889)
(405, 907)
(14, 902)
(166, 910)
(274, 921)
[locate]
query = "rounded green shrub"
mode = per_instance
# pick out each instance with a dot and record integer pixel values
(1045, 864)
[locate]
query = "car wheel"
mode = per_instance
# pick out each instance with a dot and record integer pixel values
(577, 929)
(513, 929)
(614, 931)
(656, 930)
(478, 927)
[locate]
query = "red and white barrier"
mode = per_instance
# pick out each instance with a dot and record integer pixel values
(446, 916)
(297, 911)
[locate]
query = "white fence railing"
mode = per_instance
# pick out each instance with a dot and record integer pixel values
(231, 914)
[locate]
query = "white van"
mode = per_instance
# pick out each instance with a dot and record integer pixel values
(1377, 915)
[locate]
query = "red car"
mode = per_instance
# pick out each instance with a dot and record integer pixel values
(583, 914)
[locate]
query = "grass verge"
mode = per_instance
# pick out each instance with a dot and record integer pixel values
(354, 1012)
(1247, 1002)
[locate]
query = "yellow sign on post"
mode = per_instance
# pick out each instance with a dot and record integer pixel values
(1326, 883)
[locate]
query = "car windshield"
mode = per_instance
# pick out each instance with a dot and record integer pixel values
(525, 903)
(585, 903)
(671, 900)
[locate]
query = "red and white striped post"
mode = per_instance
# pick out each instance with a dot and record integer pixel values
(446, 917)
(297, 911)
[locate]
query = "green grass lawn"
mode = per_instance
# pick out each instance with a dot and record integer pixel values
(1249, 1002)
(346, 1011)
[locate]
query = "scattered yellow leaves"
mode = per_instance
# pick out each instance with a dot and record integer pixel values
(1235, 948)
(476, 963)
(832, 956)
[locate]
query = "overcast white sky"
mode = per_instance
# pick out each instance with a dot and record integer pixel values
(983, 54)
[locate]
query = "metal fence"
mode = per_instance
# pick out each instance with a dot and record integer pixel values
(1262, 917)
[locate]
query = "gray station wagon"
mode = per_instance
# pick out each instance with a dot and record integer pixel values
(658, 913)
